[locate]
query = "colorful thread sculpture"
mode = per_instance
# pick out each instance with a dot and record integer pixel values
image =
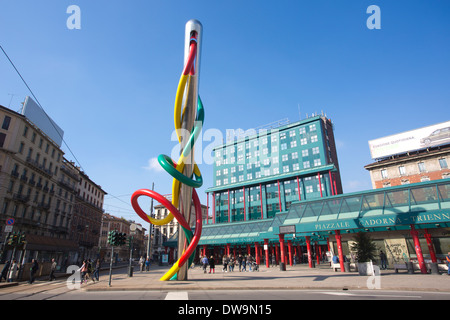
(175, 169)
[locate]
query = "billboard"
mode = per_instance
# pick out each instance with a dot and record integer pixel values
(33, 112)
(413, 140)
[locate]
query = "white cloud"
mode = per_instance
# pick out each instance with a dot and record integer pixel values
(153, 165)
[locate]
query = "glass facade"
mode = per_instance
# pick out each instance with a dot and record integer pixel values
(257, 176)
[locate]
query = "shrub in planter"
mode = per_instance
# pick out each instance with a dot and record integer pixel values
(365, 251)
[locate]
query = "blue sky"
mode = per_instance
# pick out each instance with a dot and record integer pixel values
(111, 85)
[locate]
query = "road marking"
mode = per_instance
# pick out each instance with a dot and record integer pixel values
(372, 295)
(177, 295)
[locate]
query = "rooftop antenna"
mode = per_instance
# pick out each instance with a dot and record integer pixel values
(12, 96)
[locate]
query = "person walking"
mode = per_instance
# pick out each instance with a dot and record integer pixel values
(147, 264)
(96, 273)
(225, 263)
(5, 269)
(383, 259)
(12, 274)
(212, 265)
(244, 263)
(249, 263)
(448, 263)
(52, 270)
(231, 263)
(204, 263)
(239, 259)
(83, 271)
(141, 263)
(34, 268)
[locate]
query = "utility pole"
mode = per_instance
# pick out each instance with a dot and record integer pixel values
(149, 243)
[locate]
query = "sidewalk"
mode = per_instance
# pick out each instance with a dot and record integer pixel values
(295, 277)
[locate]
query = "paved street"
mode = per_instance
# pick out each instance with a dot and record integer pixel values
(297, 283)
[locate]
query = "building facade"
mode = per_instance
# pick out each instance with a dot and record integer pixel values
(161, 234)
(411, 167)
(257, 176)
(34, 190)
(110, 223)
(45, 195)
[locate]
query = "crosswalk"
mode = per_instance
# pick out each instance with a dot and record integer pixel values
(177, 295)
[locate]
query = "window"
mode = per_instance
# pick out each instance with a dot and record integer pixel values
(6, 123)
(421, 167)
(317, 162)
(314, 138)
(306, 164)
(303, 141)
(293, 144)
(402, 170)
(305, 153)
(443, 163)
(2, 139)
(285, 169)
(295, 166)
(384, 174)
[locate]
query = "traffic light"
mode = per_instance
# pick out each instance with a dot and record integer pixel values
(112, 237)
(122, 238)
(22, 239)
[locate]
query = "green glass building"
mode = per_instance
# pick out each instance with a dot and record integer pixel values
(259, 175)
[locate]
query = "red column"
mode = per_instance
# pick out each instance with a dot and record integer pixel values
(419, 253)
(207, 207)
(282, 248)
(277, 254)
(249, 249)
(214, 208)
(430, 246)
(244, 205)
(341, 253)
(308, 249)
(320, 185)
(257, 258)
(279, 194)
(290, 252)
(266, 247)
(260, 197)
(331, 182)
(317, 253)
(229, 216)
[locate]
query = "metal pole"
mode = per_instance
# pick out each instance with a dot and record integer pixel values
(185, 202)
(149, 241)
(110, 265)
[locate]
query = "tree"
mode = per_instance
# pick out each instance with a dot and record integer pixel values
(364, 247)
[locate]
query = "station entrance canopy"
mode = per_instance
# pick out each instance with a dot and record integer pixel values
(423, 205)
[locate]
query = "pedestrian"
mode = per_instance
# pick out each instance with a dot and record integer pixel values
(273, 260)
(52, 270)
(5, 269)
(249, 263)
(225, 263)
(147, 264)
(448, 263)
(212, 265)
(239, 260)
(12, 274)
(232, 263)
(33, 269)
(96, 273)
(204, 263)
(83, 270)
(244, 261)
(141, 263)
(383, 259)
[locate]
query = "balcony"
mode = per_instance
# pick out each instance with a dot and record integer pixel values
(21, 197)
